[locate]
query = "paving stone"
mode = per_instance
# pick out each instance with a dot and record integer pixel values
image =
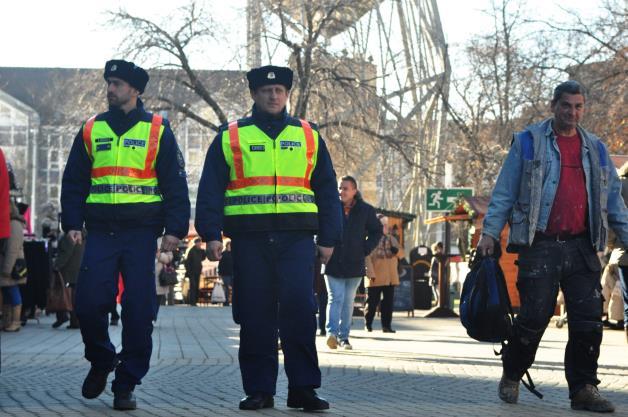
(428, 368)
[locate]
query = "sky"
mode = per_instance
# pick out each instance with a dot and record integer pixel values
(73, 33)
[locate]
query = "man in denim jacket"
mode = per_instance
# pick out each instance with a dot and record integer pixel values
(559, 192)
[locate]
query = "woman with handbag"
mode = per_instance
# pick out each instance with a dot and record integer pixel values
(164, 260)
(382, 277)
(68, 263)
(13, 272)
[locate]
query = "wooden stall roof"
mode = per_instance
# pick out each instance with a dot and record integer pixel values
(405, 217)
(619, 160)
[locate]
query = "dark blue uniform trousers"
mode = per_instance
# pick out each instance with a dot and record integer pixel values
(273, 294)
(132, 253)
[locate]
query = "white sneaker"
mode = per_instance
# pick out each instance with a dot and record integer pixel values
(332, 342)
(346, 345)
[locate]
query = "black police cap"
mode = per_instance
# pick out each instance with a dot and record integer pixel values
(136, 76)
(269, 74)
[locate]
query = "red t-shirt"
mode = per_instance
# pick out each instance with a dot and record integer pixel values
(569, 211)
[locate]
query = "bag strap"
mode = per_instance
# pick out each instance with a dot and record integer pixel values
(529, 384)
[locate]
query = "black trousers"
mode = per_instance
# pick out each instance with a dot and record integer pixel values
(373, 296)
(574, 266)
(195, 280)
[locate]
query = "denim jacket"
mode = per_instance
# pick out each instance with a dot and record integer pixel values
(528, 180)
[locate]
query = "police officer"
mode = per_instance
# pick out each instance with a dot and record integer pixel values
(269, 184)
(125, 180)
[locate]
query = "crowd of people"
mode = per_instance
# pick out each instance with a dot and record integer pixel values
(301, 242)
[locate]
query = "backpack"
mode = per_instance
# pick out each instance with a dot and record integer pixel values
(485, 309)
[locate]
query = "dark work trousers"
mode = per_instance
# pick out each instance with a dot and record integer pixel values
(273, 292)
(321, 299)
(132, 253)
(373, 297)
(574, 266)
(195, 280)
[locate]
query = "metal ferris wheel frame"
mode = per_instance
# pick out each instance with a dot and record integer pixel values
(405, 40)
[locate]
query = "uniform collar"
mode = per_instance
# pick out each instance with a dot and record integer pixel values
(133, 115)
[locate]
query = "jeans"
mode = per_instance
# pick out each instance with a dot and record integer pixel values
(12, 295)
(340, 307)
(574, 266)
(623, 278)
(321, 299)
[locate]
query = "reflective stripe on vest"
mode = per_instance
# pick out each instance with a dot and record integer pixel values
(123, 168)
(241, 182)
(270, 176)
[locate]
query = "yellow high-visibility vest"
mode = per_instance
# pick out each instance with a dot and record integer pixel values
(270, 179)
(123, 167)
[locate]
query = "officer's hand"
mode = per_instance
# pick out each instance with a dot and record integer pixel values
(486, 245)
(169, 243)
(324, 254)
(76, 236)
(214, 250)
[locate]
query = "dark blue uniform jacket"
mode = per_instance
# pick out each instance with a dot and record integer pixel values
(173, 213)
(215, 178)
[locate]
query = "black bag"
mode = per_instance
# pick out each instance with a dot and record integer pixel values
(485, 309)
(20, 270)
(168, 276)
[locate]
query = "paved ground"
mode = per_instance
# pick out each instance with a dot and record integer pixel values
(428, 368)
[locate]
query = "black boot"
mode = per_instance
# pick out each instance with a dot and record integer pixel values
(62, 317)
(307, 399)
(124, 400)
(257, 401)
(96, 381)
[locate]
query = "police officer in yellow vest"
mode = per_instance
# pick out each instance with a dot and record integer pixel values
(269, 184)
(125, 181)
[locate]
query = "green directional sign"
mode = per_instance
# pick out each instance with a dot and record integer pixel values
(443, 199)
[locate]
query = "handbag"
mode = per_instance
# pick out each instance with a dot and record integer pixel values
(168, 276)
(218, 293)
(20, 270)
(59, 298)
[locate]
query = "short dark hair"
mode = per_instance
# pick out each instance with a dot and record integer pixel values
(351, 180)
(569, 87)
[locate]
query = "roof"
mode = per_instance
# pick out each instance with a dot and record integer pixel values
(406, 217)
(619, 160)
(478, 205)
(70, 95)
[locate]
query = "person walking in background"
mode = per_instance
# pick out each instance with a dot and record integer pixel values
(124, 181)
(268, 182)
(14, 252)
(619, 255)
(194, 267)
(560, 193)
(68, 263)
(163, 258)
(345, 270)
(225, 270)
(437, 250)
(5, 224)
(382, 278)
